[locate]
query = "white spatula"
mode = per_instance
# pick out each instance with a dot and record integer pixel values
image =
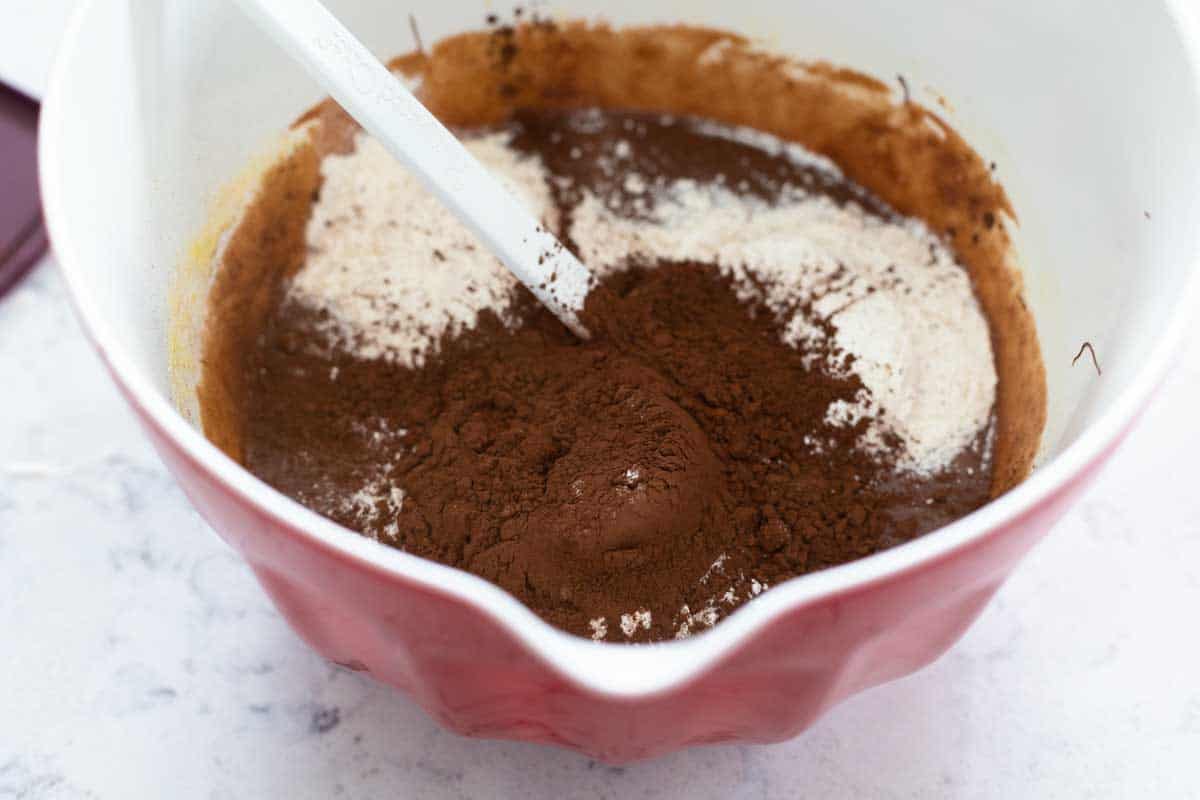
(388, 111)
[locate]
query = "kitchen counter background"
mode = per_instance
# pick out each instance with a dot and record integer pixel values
(139, 659)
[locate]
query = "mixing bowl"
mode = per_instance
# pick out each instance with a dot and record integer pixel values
(1091, 113)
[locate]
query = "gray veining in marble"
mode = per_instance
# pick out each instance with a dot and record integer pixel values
(140, 660)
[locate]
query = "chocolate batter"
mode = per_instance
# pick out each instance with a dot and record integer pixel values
(667, 460)
(624, 486)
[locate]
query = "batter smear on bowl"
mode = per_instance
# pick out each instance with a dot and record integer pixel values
(786, 372)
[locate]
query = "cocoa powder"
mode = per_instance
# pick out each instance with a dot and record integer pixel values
(667, 469)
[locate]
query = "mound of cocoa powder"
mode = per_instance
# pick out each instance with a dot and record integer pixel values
(632, 487)
(593, 480)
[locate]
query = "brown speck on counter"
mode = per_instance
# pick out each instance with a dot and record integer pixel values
(1088, 347)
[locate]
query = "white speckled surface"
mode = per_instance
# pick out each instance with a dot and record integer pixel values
(139, 659)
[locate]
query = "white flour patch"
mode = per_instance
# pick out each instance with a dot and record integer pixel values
(392, 269)
(392, 272)
(691, 621)
(890, 291)
(638, 619)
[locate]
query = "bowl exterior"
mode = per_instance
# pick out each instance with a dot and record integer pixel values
(136, 82)
(475, 677)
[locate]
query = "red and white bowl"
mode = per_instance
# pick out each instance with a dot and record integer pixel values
(1093, 119)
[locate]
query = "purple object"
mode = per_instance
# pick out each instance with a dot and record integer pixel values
(22, 236)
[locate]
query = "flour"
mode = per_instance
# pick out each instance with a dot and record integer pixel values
(892, 293)
(638, 619)
(690, 621)
(393, 272)
(391, 268)
(377, 498)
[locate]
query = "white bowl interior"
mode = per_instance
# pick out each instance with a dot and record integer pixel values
(1090, 111)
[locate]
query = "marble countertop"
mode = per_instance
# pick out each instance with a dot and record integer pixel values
(141, 660)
